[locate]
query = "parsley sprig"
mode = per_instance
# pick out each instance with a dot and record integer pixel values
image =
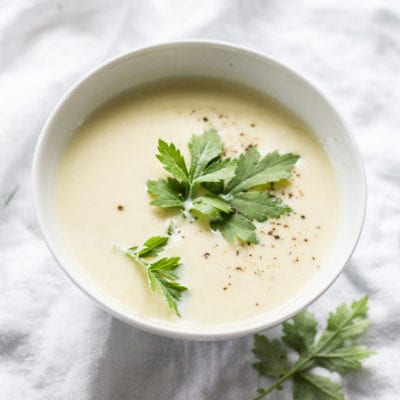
(161, 273)
(230, 192)
(331, 351)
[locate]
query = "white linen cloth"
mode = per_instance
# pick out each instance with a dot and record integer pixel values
(55, 343)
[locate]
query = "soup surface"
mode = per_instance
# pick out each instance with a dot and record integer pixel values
(101, 202)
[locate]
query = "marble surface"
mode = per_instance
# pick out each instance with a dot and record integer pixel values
(55, 343)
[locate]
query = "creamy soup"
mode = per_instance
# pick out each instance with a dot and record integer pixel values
(102, 202)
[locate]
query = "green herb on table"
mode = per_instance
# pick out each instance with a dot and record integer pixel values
(230, 192)
(161, 273)
(334, 351)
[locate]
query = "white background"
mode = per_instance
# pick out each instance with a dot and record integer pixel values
(55, 343)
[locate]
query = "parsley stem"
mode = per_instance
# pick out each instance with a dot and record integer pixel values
(296, 367)
(135, 257)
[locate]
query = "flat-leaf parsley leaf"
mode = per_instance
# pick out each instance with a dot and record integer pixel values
(331, 351)
(161, 273)
(227, 191)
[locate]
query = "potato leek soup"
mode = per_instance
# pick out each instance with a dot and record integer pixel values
(196, 201)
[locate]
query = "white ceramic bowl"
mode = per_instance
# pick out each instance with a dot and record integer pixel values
(218, 60)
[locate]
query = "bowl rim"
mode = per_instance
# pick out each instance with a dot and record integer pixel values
(236, 329)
